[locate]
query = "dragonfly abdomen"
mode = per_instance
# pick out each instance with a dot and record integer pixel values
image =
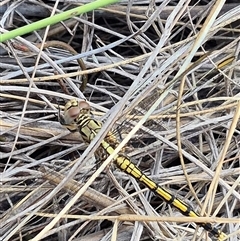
(125, 164)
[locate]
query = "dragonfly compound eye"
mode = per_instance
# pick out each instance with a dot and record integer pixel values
(71, 114)
(72, 110)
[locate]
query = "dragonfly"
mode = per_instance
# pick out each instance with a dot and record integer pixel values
(78, 117)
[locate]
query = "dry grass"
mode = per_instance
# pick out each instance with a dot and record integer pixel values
(177, 56)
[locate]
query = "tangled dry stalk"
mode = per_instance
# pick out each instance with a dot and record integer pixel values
(135, 52)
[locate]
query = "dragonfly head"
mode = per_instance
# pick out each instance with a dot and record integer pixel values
(72, 110)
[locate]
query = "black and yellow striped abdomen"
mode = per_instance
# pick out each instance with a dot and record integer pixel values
(125, 164)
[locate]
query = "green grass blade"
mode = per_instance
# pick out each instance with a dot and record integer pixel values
(55, 19)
